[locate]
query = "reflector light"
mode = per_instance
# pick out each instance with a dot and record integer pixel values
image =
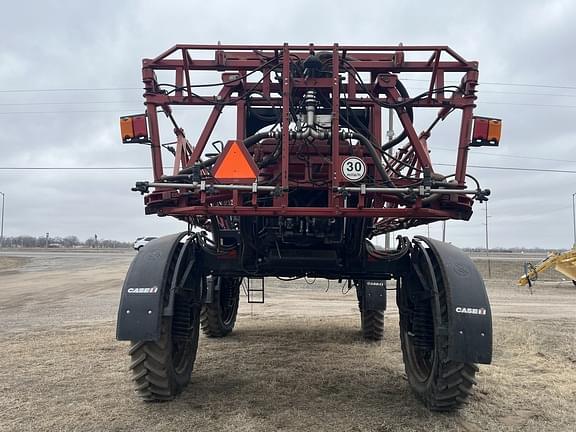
(486, 132)
(140, 127)
(134, 129)
(126, 129)
(235, 164)
(494, 130)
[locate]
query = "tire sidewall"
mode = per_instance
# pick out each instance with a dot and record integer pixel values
(229, 326)
(421, 387)
(179, 379)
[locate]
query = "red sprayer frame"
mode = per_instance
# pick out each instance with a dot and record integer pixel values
(408, 202)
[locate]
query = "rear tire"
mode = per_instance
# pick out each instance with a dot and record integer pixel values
(372, 325)
(371, 321)
(219, 317)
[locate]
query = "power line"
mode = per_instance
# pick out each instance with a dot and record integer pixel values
(62, 112)
(69, 103)
(508, 156)
(527, 104)
(139, 102)
(513, 168)
(529, 85)
(415, 88)
(527, 94)
(74, 168)
(484, 91)
(547, 211)
(120, 111)
(69, 89)
(84, 89)
(503, 84)
(507, 168)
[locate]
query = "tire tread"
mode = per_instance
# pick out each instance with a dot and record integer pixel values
(150, 379)
(453, 388)
(372, 325)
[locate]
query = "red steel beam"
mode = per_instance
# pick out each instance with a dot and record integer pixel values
(285, 118)
(210, 124)
(335, 168)
(305, 211)
(361, 66)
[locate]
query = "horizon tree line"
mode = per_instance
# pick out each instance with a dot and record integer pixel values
(71, 241)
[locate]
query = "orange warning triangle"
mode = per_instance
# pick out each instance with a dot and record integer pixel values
(235, 164)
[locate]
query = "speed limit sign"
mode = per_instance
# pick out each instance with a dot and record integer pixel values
(353, 169)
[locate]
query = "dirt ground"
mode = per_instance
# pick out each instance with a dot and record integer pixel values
(294, 363)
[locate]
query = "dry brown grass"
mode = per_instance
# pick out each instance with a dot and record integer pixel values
(297, 363)
(283, 374)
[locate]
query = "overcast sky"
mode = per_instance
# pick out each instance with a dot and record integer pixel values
(48, 45)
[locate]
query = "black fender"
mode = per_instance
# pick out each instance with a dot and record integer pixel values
(469, 326)
(144, 300)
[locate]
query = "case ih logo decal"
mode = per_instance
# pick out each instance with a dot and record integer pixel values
(151, 290)
(471, 311)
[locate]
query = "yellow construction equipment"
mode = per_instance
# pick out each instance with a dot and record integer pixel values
(564, 263)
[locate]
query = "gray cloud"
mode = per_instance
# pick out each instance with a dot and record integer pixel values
(100, 45)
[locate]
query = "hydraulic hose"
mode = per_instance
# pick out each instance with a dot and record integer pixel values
(251, 140)
(404, 93)
(373, 154)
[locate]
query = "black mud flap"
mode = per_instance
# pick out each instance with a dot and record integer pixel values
(374, 297)
(142, 301)
(469, 316)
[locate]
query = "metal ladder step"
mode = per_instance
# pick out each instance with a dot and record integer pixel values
(258, 291)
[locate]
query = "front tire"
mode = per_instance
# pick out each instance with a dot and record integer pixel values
(442, 384)
(161, 369)
(219, 317)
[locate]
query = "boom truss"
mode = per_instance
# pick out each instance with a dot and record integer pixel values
(301, 112)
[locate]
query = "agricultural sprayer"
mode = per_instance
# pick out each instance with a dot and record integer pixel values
(298, 188)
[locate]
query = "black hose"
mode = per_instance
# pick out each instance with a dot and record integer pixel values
(409, 109)
(251, 140)
(271, 159)
(375, 157)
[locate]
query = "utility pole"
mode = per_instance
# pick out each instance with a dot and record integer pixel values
(573, 218)
(47, 237)
(487, 247)
(2, 223)
(444, 231)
